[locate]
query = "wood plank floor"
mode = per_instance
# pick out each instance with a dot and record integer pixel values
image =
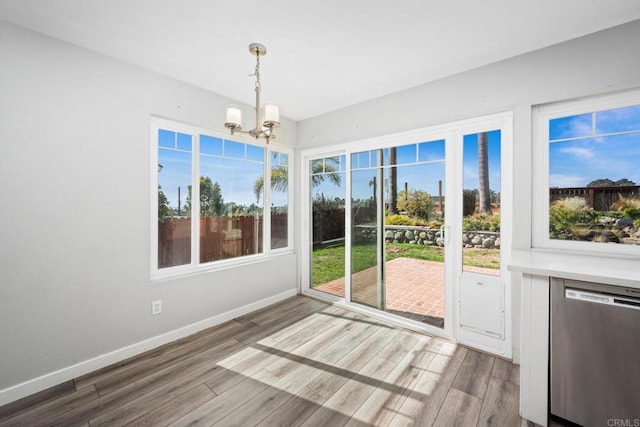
(299, 362)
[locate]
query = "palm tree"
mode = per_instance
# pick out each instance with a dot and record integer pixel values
(373, 183)
(280, 177)
(484, 191)
(393, 180)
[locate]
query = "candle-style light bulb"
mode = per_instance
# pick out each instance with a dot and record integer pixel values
(271, 115)
(234, 117)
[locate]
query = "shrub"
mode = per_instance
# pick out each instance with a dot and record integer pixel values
(481, 222)
(416, 203)
(468, 202)
(565, 214)
(573, 203)
(629, 206)
(398, 220)
(434, 224)
(328, 218)
(600, 239)
(581, 232)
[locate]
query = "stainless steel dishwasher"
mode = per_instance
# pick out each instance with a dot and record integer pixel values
(595, 353)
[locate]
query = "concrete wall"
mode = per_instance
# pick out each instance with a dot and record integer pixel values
(603, 62)
(75, 215)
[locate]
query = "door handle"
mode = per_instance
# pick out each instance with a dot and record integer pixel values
(444, 233)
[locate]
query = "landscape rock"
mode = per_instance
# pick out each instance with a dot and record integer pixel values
(623, 223)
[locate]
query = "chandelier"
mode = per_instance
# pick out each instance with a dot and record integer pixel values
(267, 118)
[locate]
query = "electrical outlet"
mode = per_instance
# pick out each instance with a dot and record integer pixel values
(156, 307)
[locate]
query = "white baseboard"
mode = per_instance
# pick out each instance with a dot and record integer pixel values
(44, 382)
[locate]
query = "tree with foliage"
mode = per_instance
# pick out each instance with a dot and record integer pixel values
(328, 171)
(211, 201)
(373, 183)
(320, 172)
(416, 203)
(607, 182)
(469, 202)
(624, 182)
(164, 208)
(279, 181)
(601, 182)
(484, 192)
(328, 218)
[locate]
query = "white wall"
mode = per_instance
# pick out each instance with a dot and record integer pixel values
(74, 184)
(75, 211)
(602, 62)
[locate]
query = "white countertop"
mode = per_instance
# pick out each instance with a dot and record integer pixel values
(586, 267)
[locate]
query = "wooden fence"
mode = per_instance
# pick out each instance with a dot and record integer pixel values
(598, 198)
(220, 238)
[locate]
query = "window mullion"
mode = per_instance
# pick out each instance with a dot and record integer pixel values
(266, 198)
(195, 202)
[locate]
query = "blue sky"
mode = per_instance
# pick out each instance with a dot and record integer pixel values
(235, 166)
(420, 165)
(590, 146)
(582, 148)
(327, 188)
(470, 160)
(176, 172)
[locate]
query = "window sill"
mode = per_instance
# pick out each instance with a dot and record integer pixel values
(576, 266)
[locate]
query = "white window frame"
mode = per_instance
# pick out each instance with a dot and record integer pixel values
(195, 267)
(541, 116)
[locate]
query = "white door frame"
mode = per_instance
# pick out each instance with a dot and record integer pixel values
(306, 227)
(452, 133)
(475, 338)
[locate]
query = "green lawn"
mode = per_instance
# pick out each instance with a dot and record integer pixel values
(405, 250)
(328, 263)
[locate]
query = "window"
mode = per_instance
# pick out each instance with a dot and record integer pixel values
(228, 200)
(591, 152)
(279, 200)
(175, 155)
(481, 202)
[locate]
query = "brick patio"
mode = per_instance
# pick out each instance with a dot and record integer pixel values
(414, 288)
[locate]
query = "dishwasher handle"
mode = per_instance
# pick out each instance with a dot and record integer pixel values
(602, 298)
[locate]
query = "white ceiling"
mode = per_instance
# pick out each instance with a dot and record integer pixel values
(322, 54)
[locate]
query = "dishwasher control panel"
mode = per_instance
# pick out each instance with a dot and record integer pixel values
(602, 298)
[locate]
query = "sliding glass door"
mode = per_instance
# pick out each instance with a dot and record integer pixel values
(398, 230)
(414, 227)
(367, 215)
(327, 183)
